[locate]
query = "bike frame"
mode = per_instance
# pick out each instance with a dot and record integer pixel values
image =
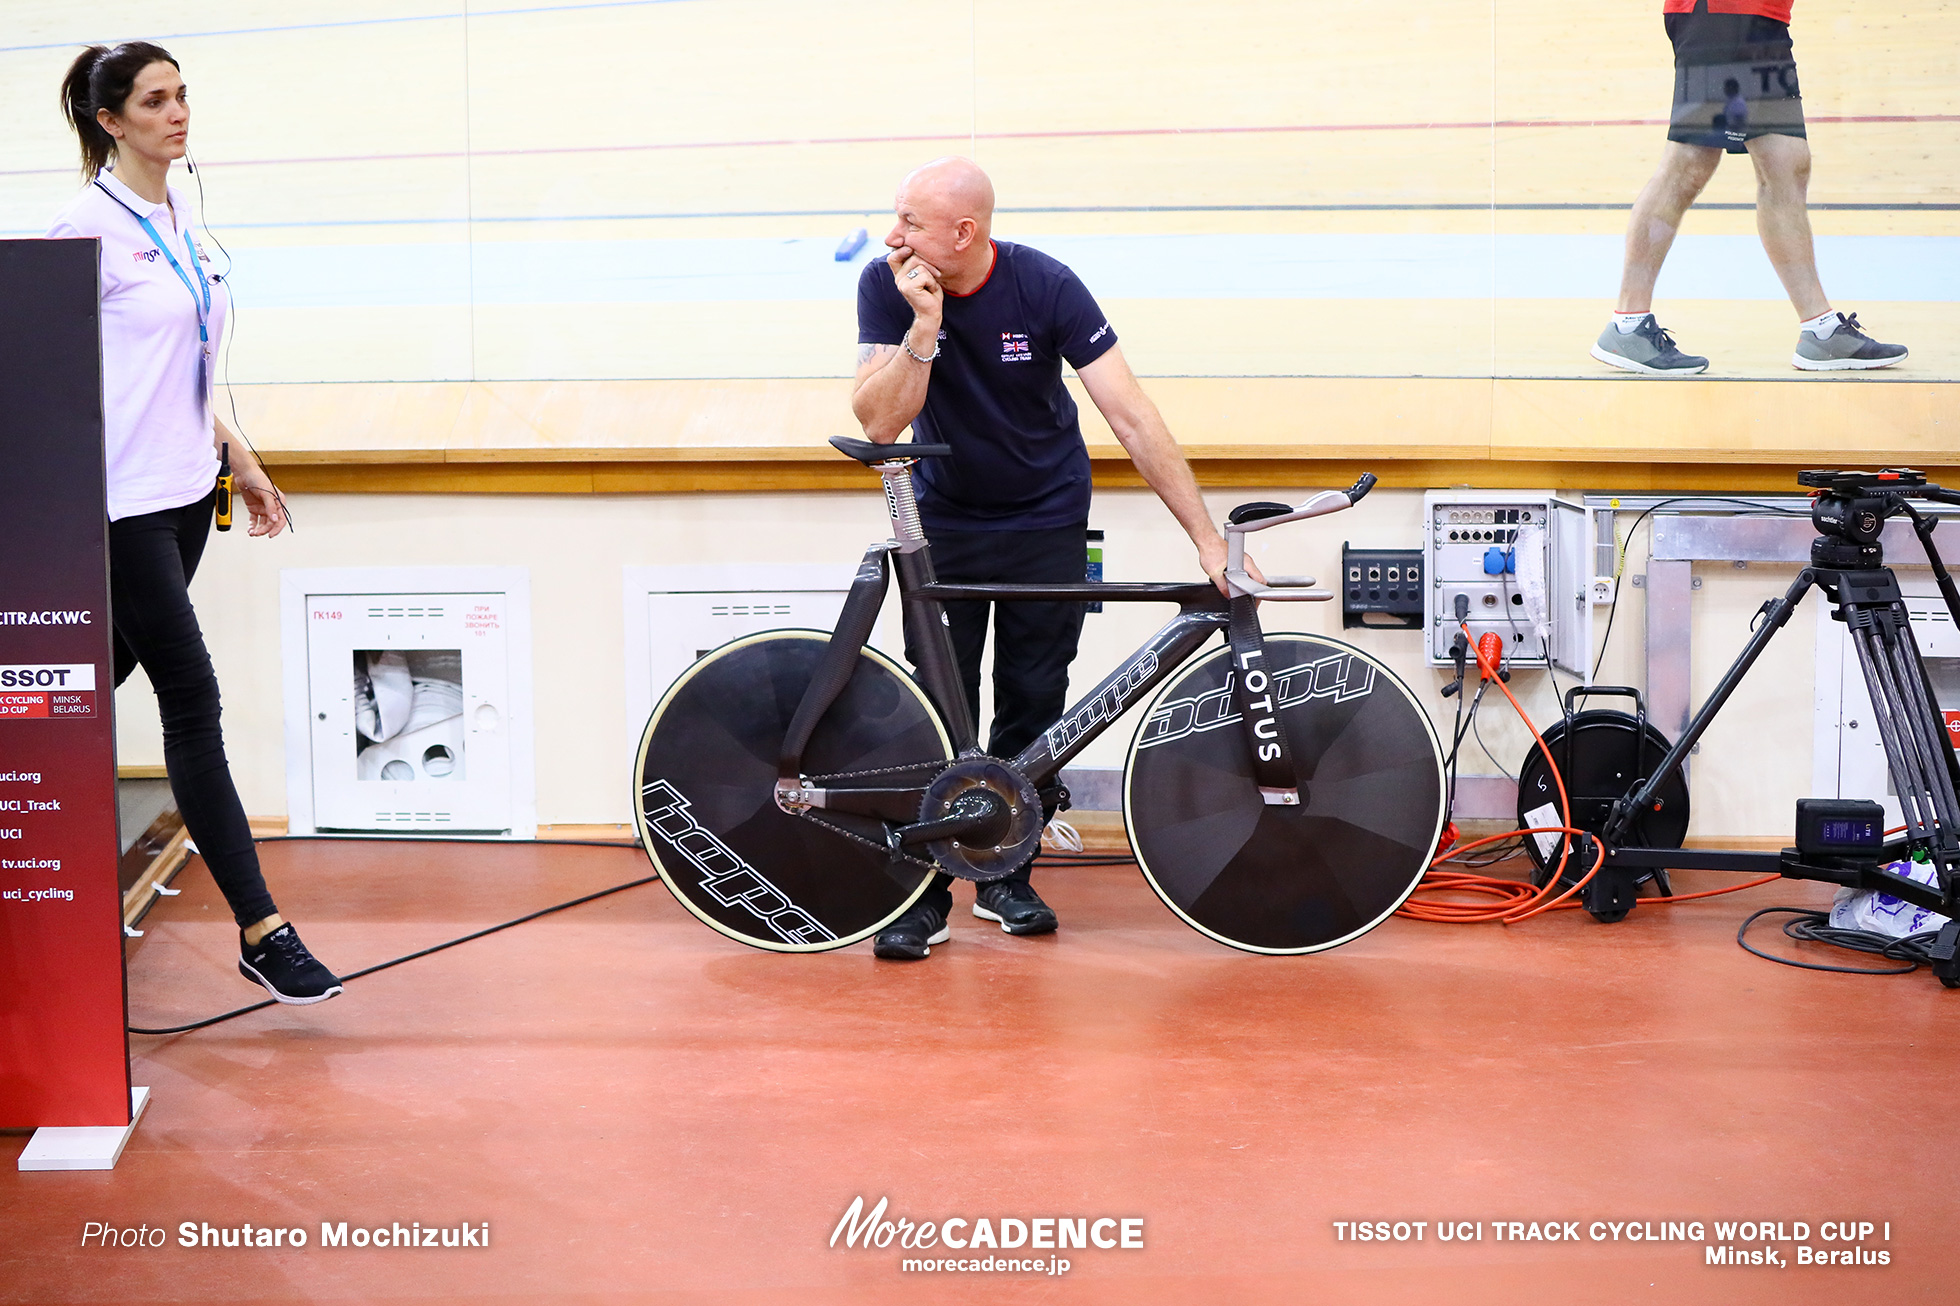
(1202, 612)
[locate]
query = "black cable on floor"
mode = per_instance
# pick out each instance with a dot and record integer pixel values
(1810, 926)
(590, 897)
(1073, 859)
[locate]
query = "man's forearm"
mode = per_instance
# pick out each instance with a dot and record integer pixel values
(1157, 456)
(889, 397)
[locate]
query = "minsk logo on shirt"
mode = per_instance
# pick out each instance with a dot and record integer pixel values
(1014, 348)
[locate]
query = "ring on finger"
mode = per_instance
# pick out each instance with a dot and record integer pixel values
(913, 275)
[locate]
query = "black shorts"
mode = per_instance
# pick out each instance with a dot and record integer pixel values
(1735, 78)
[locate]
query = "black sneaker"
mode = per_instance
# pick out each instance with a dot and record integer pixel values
(911, 936)
(1016, 905)
(1647, 348)
(289, 972)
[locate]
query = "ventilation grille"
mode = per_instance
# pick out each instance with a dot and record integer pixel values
(749, 610)
(410, 818)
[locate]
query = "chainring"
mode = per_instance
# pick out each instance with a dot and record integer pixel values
(968, 777)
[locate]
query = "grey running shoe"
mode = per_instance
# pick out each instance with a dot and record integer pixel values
(1648, 349)
(1849, 349)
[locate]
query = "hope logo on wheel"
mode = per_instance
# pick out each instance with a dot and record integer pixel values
(1340, 678)
(724, 876)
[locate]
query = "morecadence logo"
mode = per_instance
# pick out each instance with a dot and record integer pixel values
(982, 1237)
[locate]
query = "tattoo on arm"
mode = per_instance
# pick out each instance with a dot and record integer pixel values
(868, 352)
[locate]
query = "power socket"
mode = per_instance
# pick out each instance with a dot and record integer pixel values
(1604, 588)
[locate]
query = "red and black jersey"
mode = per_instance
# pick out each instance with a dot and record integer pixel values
(1776, 9)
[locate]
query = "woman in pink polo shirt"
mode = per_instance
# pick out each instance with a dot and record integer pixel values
(163, 315)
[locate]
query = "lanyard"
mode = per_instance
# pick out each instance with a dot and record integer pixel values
(204, 307)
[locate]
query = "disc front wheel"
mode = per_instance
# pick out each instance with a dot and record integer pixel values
(1286, 879)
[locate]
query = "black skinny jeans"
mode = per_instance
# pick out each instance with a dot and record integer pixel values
(151, 561)
(1033, 642)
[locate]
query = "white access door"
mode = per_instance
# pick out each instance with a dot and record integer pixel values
(409, 707)
(682, 627)
(674, 614)
(1568, 603)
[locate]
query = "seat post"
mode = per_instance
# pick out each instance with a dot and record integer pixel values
(908, 533)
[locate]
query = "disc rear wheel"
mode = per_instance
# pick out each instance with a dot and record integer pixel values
(706, 794)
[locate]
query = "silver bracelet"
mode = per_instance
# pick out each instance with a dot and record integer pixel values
(906, 340)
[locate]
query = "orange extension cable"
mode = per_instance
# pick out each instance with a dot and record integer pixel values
(1517, 900)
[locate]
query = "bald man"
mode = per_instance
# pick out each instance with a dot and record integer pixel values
(962, 338)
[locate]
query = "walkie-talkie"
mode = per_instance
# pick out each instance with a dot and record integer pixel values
(224, 486)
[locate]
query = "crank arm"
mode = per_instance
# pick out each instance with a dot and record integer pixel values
(900, 805)
(947, 827)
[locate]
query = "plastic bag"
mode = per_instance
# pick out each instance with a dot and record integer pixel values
(1880, 913)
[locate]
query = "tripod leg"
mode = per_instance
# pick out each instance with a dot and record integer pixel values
(1922, 715)
(1887, 713)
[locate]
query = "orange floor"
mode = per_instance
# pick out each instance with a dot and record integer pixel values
(643, 1111)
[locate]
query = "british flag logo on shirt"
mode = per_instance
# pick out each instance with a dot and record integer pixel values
(1014, 348)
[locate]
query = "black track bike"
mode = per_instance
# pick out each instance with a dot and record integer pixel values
(797, 789)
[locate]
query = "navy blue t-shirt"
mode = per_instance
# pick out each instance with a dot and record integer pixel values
(996, 394)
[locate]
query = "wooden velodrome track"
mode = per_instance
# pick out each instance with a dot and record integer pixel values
(589, 245)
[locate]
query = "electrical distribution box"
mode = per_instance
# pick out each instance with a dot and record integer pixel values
(1518, 560)
(1381, 588)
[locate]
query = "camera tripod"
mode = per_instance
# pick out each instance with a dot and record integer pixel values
(1837, 842)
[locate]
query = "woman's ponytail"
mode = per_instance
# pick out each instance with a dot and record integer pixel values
(102, 78)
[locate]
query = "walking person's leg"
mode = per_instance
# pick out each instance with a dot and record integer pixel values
(1827, 341)
(1634, 340)
(1699, 129)
(1684, 172)
(151, 560)
(1783, 218)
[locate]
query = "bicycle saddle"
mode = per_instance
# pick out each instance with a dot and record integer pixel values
(1246, 512)
(870, 454)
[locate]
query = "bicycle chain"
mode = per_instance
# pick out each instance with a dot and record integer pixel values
(872, 844)
(822, 781)
(937, 767)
